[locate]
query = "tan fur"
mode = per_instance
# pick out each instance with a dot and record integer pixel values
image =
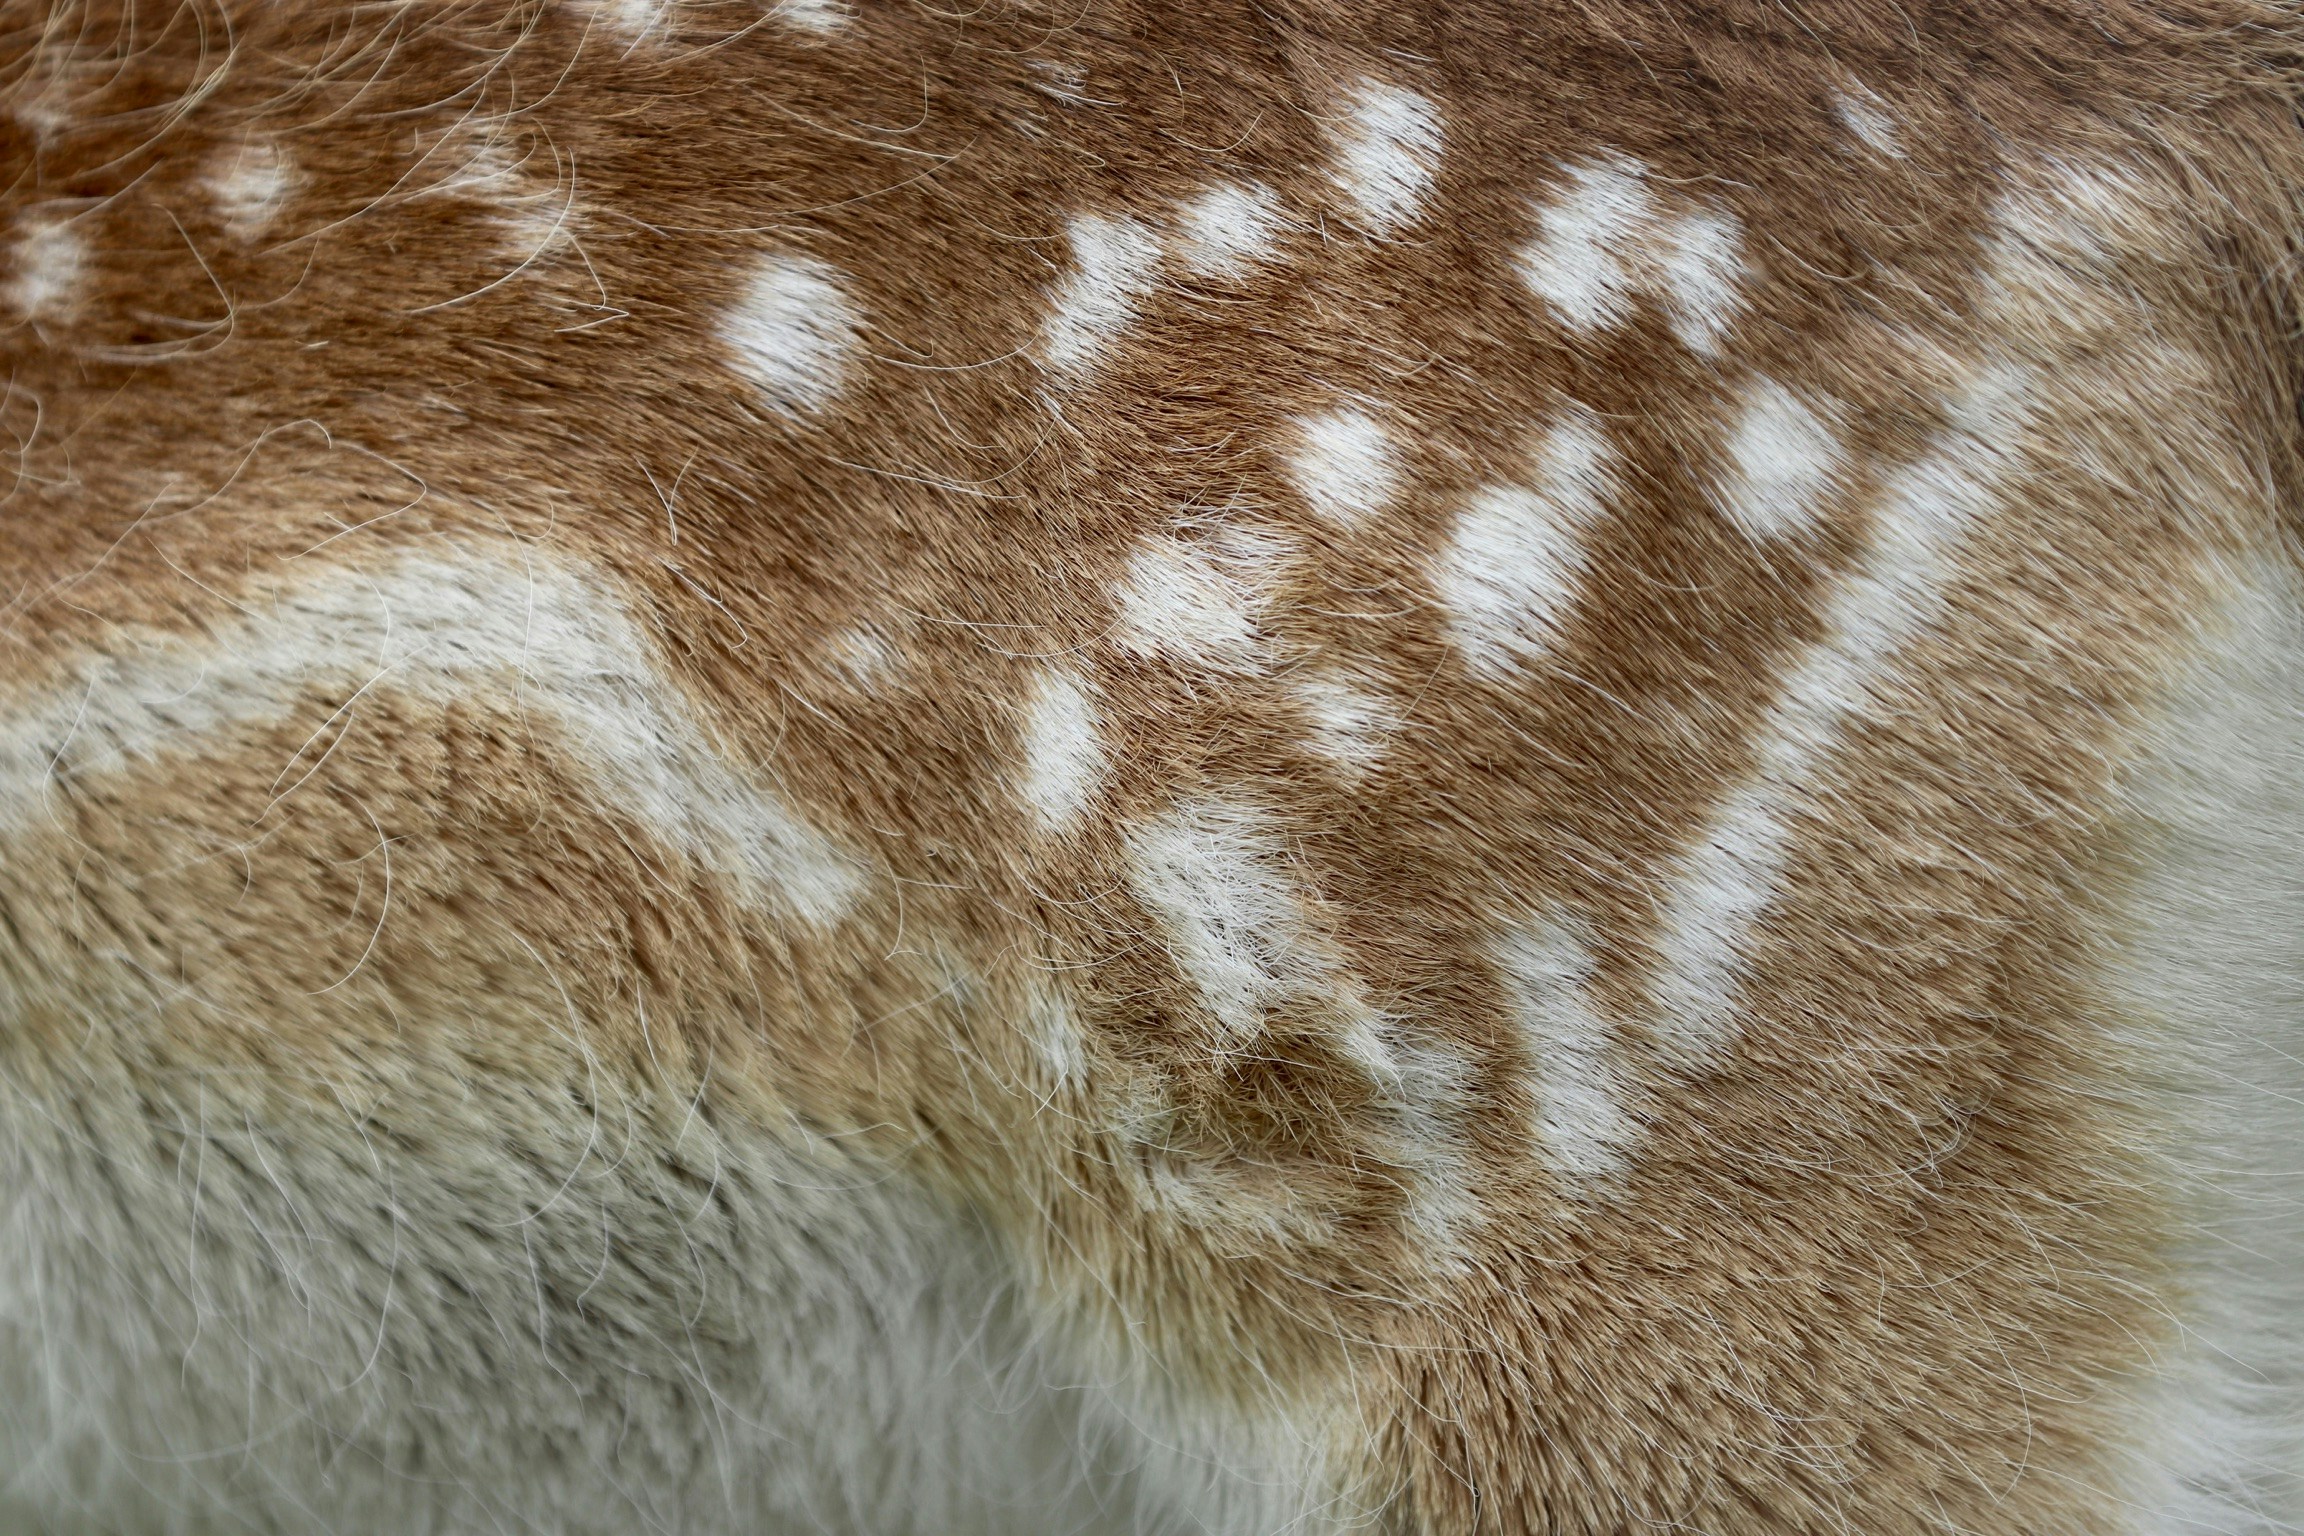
(1204, 1026)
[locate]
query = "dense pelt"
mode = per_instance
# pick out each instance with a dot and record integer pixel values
(1062, 766)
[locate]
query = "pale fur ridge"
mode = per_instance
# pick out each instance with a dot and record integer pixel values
(447, 625)
(2207, 958)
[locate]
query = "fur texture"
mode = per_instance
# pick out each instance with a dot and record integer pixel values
(1305, 766)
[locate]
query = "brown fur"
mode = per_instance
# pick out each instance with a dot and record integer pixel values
(1877, 1271)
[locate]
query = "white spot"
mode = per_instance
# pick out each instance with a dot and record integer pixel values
(1054, 1032)
(794, 333)
(1517, 558)
(516, 181)
(1866, 117)
(1063, 749)
(1431, 1142)
(1343, 465)
(632, 20)
(1580, 1117)
(1351, 724)
(1113, 264)
(251, 190)
(1387, 155)
(864, 655)
(2054, 244)
(535, 639)
(1576, 262)
(50, 260)
(42, 111)
(1219, 879)
(1228, 229)
(1783, 460)
(1731, 874)
(1199, 602)
(821, 17)
(1700, 267)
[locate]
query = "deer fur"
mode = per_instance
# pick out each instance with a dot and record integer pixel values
(1510, 767)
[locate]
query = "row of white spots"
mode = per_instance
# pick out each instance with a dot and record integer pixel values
(1730, 875)
(1387, 154)
(1608, 236)
(507, 631)
(1516, 559)
(1224, 232)
(1783, 459)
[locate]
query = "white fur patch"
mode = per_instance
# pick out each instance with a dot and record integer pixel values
(1351, 723)
(1516, 560)
(1699, 264)
(252, 186)
(794, 333)
(1783, 461)
(864, 656)
(1387, 155)
(1063, 748)
(1344, 466)
(1432, 1143)
(1580, 1120)
(2207, 960)
(823, 18)
(1576, 262)
(1869, 120)
(1199, 602)
(51, 261)
(1218, 877)
(1606, 237)
(1114, 262)
(536, 639)
(1228, 230)
(632, 21)
(1732, 873)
